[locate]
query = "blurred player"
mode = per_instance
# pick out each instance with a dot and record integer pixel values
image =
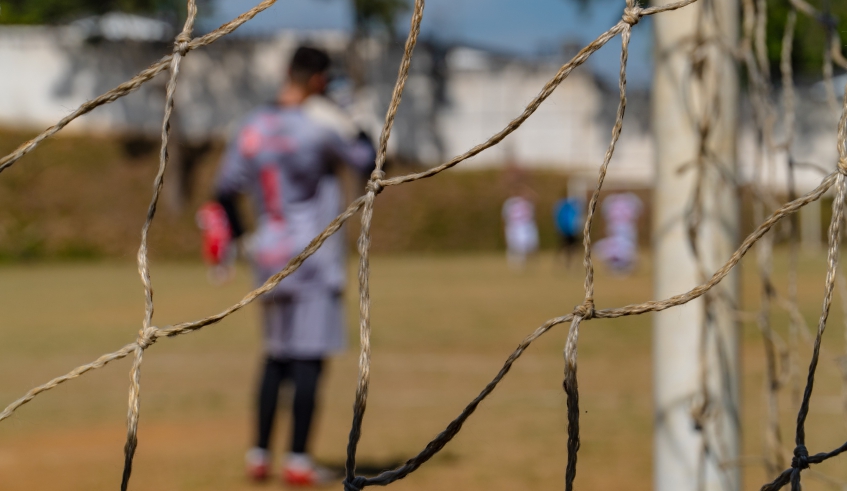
(567, 216)
(619, 249)
(285, 158)
(521, 231)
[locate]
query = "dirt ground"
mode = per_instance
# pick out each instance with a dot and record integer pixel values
(442, 326)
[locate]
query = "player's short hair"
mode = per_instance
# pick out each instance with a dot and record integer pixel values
(306, 63)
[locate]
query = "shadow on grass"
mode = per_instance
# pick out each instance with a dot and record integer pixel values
(372, 468)
(365, 468)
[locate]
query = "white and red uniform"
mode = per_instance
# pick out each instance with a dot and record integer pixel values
(520, 228)
(285, 160)
(619, 248)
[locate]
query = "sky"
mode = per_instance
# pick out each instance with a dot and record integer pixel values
(521, 27)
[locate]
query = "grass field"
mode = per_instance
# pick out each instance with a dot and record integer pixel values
(442, 326)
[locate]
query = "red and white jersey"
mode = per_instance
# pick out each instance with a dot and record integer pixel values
(286, 160)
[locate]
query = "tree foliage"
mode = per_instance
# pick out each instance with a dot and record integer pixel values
(378, 13)
(55, 11)
(810, 38)
(369, 14)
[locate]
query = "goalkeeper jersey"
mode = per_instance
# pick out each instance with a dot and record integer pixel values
(286, 160)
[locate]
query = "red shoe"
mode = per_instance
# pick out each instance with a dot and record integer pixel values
(257, 473)
(258, 467)
(301, 471)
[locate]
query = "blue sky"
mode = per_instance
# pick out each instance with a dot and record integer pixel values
(524, 27)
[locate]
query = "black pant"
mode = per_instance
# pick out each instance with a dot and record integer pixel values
(304, 375)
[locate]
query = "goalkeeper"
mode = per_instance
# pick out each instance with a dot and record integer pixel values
(285, 158)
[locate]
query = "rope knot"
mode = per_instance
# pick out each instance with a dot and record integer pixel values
(801, 457)
(146, 337)
(181, 44)
(586, 310)
(632, 14)
(842, 166)
(356, 484)
(375, 183)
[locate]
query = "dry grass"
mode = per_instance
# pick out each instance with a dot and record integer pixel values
(442, 327)
(82, 197)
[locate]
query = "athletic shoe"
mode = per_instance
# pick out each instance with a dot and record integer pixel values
(258, 464)
(301, 471)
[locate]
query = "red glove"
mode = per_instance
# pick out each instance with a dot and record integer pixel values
(217, 235)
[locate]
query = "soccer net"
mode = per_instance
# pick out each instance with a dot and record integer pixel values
(749, 53)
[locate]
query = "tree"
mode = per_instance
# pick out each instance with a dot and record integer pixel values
(810, 38)
(378, 13)
(370, 15)
(810, 35)
(56, 11)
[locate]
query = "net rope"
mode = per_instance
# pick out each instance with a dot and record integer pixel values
(780, 358)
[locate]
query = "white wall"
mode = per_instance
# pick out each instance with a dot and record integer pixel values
(566, 132)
